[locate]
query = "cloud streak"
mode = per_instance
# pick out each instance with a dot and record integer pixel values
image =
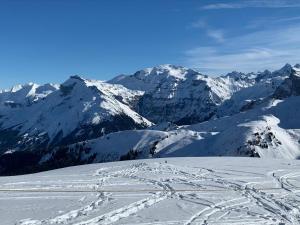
(260, 50)
(271, 21)
(253, 4)
(216, 34)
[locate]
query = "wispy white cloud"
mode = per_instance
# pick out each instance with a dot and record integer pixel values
(288, 19)
(198, 24)
(268, 49)
(216, 34)
(254, 4)
(269, 21)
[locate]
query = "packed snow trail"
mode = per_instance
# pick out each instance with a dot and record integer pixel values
(174, 191)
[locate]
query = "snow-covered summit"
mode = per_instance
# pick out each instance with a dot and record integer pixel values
(150, 78)
(266, 74)
(21, 95)
(283, 72)
(240, 76)
(164, 69)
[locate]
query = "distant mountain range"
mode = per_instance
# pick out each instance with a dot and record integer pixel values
(156, 112)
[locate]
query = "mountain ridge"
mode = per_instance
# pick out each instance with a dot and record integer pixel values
(177, 112)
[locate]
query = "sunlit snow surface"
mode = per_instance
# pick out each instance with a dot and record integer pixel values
(157, 191)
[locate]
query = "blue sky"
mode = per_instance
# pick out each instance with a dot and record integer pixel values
(47, 41)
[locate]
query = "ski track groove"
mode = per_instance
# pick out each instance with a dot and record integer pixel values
(279, 211)
(133, 208)
(275, 207)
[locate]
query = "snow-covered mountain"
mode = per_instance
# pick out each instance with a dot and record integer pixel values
(36, 121)
(22, 95)
(177, 111)
(184, 96)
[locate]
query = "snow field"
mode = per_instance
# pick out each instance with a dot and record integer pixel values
(221, 190)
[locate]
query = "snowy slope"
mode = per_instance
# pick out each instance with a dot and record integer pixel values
(269, 130)
(112, 147)
(190, 191)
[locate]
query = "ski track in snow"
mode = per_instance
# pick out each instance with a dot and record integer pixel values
(240, 197)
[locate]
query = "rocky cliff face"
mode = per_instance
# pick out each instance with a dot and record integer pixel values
(291, 86)
(184, 96)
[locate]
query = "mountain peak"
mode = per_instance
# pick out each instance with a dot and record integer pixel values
(287, 65)
(150, 78)
(19, 87)
(290, 86)
(77, 77)
(165, 67)
(235, 75)
(286, 68)
(163, 70)
(297, 66)
(74, 80)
